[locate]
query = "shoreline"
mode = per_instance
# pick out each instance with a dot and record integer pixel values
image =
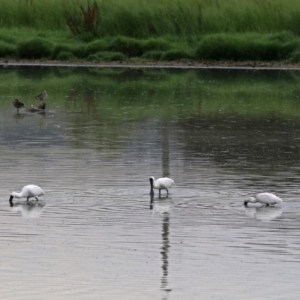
(153, 64)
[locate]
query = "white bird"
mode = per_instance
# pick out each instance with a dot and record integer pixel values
(28, 191)
(160, 184)
(264, 198)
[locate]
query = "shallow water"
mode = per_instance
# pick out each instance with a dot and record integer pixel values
(221, 135)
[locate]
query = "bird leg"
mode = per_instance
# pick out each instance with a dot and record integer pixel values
(37, 199)
(159, 193)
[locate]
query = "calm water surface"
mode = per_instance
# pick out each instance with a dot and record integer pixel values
(221, 135)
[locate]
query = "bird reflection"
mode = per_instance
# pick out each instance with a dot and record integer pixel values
(18, 117)
(264, 213)
(34, 109)
(30, 209)
(162, 205)
(151, 200)
(163, 208)
(165, 252)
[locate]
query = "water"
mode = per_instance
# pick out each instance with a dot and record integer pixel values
(221, 135)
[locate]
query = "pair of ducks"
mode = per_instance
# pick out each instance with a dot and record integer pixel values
(34, 191)
(18, 104)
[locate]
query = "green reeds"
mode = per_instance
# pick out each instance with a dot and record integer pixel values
(235, 30)
(153, 18)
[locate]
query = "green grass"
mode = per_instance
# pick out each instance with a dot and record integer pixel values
(248, 46)
(159, 18)
(235, 30)
(282, 46)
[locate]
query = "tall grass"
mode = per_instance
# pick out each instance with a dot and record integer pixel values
(236, 30)
(141, 18)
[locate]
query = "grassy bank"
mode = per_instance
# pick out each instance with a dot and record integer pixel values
(55, 45)
(234, 30)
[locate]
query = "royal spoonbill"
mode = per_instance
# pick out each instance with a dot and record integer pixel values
(18, 104)
(28, 191)
(160, 184)
(42, 96)
(264, 198)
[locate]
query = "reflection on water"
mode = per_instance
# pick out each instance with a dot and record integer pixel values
(264, 213)
(162, 206)
(28, 209)
(165, 252)
(221, 135)
(165, 150)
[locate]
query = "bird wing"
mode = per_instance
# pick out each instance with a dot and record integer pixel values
(165, 182)
(34, 190)
(268, 198)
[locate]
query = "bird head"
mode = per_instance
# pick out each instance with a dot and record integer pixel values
(10, 199)
(250, 199)
(151, 179)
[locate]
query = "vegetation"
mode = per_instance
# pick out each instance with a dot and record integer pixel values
(235, 30)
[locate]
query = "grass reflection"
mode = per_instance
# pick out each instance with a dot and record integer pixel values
(248, 114)
(163, 93)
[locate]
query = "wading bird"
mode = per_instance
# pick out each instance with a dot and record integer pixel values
(42, 106)
(28, 191)
(160, 184)
(42, 96)
(17, 104)
(264, 198)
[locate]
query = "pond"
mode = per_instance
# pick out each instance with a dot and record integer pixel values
(221, 135)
